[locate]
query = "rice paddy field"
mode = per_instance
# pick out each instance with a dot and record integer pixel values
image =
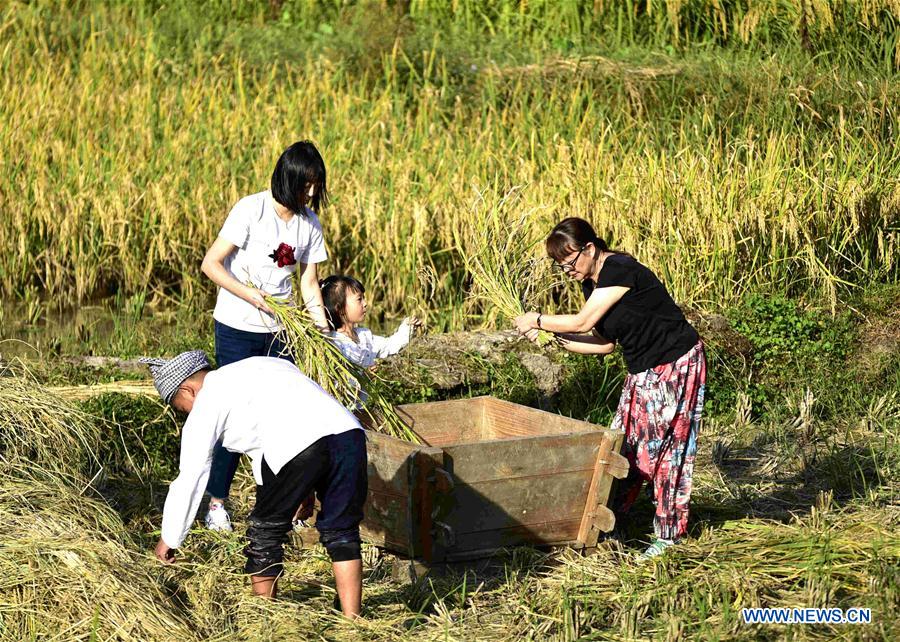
(746, 151)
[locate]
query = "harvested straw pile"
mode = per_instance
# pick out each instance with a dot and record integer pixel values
(79, 393)
(39, 427)
(317, 356)
(68, 568)
(831, 557)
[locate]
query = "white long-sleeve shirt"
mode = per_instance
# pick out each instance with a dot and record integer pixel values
(371, 346)
(261, 406)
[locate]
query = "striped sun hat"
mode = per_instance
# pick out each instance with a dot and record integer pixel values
(168, 374)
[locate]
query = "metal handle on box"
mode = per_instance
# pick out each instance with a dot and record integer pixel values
(444, 532)
(442, 480)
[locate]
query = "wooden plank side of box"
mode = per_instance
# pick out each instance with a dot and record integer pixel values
(441, 423)
(519, 491)
(507, 420)
(610, 465)
(533, 499)
(387, 522)
(476, 545)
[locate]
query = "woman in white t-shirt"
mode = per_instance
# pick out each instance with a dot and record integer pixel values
(265, 239)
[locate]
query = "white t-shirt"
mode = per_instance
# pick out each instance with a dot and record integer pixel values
(261, 406)
(257, 231)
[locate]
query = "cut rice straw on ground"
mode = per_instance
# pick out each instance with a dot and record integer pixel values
(499, 252)
(80, 393)
(69, 570)
(319, 358)
(40, 427)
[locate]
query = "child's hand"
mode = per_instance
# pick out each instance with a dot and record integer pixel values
(413, 322)
(532, 335)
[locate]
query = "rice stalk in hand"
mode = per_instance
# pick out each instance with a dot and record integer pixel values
(427, 286)
(498, 252)
(320, 359)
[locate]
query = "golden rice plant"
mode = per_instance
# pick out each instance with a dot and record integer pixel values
(764, 184)
(499, 251)
(320, 359)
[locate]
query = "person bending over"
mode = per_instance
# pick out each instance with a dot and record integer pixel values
(300, 440)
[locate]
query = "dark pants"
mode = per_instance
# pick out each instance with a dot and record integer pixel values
(335, 468)
(233, 345)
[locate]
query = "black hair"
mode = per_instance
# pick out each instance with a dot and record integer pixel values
(570, 235)
(334, 296)
(298, 167)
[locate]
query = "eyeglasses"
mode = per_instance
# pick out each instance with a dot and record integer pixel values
(569, 266)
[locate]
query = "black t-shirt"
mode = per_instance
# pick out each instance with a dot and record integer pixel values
(646, 322)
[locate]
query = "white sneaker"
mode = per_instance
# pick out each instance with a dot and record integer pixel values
(217, 518)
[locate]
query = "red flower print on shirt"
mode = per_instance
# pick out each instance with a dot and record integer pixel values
(283, 255)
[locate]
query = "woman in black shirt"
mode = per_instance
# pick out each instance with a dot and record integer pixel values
(662, 399)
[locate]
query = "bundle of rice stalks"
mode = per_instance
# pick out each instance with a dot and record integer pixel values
(321, 360)
(499, 251)
(68, 569)
(38, 426)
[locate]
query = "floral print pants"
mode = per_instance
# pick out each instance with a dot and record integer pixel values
(659, 412)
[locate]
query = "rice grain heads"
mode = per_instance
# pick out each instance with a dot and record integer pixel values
(319, 358)
(498, 247)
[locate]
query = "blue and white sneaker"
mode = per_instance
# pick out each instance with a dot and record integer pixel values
(656, 548)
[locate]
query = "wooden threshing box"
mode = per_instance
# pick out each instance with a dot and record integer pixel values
(489, 474)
